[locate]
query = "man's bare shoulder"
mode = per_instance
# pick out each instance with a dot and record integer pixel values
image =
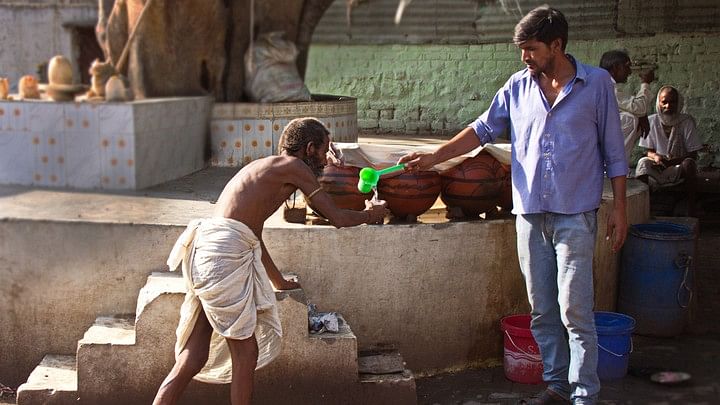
(271, 163)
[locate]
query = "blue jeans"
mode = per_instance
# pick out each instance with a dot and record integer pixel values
(556, 258)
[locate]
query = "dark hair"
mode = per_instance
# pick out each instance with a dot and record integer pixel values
(299, 132)
(544, 24)
(613, 58)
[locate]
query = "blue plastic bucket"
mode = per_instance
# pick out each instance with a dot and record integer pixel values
(614, 344)
(656, 278)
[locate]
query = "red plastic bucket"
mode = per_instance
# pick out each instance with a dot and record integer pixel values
(521, 361)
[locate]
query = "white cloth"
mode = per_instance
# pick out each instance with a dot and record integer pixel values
(631, 108)
(381, 155)
(224, 275)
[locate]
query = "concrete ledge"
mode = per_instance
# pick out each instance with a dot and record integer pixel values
(84, 255)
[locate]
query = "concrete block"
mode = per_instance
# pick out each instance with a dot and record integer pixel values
(109, 146)
(52, 382)
(121, 360)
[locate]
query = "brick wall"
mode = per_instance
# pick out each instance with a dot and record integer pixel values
(438, 89)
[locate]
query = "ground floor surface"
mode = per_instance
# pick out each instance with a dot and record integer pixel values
(697, 355)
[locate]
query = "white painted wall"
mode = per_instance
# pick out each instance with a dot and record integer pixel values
(31, 34)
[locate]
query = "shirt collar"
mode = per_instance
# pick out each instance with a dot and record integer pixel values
(580, 71)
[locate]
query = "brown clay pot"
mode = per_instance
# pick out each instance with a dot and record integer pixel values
(410, 194)
(474, 186)
(341, 184)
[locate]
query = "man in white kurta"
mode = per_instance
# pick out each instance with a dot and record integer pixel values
(633, 107)
(672, 143)
(672, 146)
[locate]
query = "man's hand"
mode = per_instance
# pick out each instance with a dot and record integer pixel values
(286, 285)
(418, 161)
(647, 76)
(376, 210)
(617, 228)
(334, 156)
(643, 126)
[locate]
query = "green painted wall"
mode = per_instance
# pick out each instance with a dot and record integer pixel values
(438, 89)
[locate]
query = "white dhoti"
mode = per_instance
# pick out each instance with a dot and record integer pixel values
(224, 275)
(659, 176)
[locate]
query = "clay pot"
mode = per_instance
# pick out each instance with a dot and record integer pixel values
(410, 194)
(341, 184)
(473, 187)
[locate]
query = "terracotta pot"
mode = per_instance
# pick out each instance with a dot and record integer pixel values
(410, 194)
(474, 186)
(341, 184)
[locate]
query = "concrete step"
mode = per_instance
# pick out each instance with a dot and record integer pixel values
(110, 330)
(123, 359)
(52, 382)
(384, 379)
(396, 388)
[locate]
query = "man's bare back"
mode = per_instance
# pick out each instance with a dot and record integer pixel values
(260, 188)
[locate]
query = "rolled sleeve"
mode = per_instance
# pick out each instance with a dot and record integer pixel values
(494, 121)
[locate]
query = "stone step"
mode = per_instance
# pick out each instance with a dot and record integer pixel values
(122, 359)
(52, 382)
(166, 291)
(384, 379)
(157, 284)
(110, 330)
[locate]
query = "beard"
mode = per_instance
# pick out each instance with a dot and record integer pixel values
(315, 165)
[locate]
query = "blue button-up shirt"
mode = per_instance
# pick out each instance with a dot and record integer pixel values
(559, 153)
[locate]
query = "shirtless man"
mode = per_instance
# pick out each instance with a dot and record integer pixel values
(229, 324)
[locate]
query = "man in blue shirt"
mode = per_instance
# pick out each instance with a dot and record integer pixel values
(566, 135)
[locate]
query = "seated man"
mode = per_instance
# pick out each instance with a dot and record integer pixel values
(633, 108)
(672, 145)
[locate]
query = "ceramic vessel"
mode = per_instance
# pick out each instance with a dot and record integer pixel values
(408, 195)
(341, 184)
(473, 187)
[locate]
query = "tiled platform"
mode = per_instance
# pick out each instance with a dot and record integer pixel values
(242, 132)
(111, 146)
